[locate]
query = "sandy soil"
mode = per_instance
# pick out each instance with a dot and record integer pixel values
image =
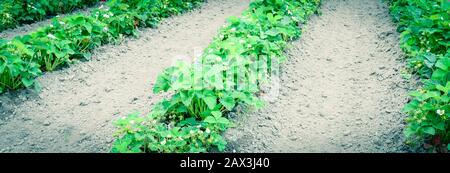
(74, 111)
(340, 90)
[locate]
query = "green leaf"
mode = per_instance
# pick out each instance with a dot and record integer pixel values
(27, 82)
(445, 6)
(210, 101)
(161, 84)
(411, 106)
(210, 119)
(222, 120)
(259, 104)
(429, 130)
(88, 27)
(443, 63)
(440, 126)
(186, 98)
(87, 55)
(445, 89)
(272, 32)
(430, 60)
(409, 132)
(22, 47)
(435, 17)
(439, 74)
(428, 106)
(431, 94)
(37, 87)
(79, 20)
(216, 114)
(2, 67)
(189, 121)
(233, 19)
(228, 102)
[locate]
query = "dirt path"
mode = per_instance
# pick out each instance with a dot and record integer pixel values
(340, 90)
(74, 111)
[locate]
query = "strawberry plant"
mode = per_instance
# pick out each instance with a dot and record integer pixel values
(15, 12)
(227, 74)
(51, 52)
(148, 135)
(425, 38)
(15, 71)
(84, 33)
(425, 29)
(73, 37)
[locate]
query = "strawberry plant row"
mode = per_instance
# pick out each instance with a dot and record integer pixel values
(229, 72)
(24, 58)
(16, 12)
(425, 38)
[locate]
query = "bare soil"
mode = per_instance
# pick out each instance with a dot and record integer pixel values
(75, 110)
(340, 90)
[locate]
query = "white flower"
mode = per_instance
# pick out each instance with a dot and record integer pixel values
(249, 45)
(440, 112)
(51, 26)
(233, 29)
(106, 16)
(123, 118)
(61, 23)
(191, 132)
(132, 122)
(51, 36)
(207, 130)
(101, 7)
(163, 142)
(105, 29)
(169, 136)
